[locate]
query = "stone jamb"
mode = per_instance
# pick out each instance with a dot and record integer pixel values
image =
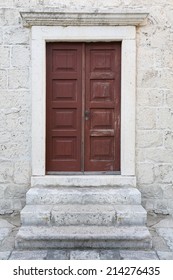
(41, 35)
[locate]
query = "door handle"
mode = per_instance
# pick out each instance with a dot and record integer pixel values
(87, 115)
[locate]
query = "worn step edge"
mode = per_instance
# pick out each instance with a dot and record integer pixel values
(83, 237)
(63, 215)
(85, 195)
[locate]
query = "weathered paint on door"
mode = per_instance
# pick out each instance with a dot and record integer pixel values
(83, 107)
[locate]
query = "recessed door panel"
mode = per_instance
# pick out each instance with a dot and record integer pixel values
(102, 90)
(64, 60)
(64, 119)
(102, 119)
(64, 90)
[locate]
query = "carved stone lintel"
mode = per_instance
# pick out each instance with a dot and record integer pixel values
(82, 19)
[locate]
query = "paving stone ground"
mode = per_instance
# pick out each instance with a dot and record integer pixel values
(160, 227)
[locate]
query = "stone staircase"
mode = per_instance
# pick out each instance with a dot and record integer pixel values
(83, 217)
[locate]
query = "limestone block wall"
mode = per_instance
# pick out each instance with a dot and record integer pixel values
(15, 109)
(154, 98)
(154, 127)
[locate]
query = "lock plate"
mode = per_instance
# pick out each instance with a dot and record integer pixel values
(87, 115)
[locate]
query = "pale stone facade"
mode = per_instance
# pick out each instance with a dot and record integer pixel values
(154, 98)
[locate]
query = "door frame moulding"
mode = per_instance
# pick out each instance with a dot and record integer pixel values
(82, 33)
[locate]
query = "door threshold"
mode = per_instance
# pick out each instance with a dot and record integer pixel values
(83, 180)
(85, 173)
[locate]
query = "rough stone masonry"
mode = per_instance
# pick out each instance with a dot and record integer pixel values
(154, 99)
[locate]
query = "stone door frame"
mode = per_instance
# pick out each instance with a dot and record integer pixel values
(82, 33)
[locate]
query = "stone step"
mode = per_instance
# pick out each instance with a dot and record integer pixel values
(83, 180)
(82, 237)
(76, 214)
(83, 195)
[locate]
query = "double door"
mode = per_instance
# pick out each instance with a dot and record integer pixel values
(83, 107)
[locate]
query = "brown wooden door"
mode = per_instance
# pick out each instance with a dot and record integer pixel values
(63, 118)
(83, 107)
(102, 133)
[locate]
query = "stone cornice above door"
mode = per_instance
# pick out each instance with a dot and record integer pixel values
(53, 18)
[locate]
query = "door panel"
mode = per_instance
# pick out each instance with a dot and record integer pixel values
(83, 107)
(64, 90)
(102, 127)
